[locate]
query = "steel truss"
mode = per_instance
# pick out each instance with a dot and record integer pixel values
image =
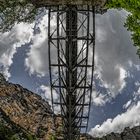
(71, 43)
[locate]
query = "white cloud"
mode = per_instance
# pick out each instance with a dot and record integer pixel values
(100, 34)
(10, 41)
(37, 58)
(130, 119)
(114, 52)
(116, 85)
(46, 94)
(138, 92)
(137, 83)
(99, 99)
(136, 95)
(113, 89)
(125, 106)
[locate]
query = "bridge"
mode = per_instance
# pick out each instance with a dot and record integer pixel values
(71, 38)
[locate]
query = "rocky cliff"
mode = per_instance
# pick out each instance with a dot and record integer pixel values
(24, 115)
(25, 109)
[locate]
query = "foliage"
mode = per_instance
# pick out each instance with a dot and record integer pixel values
(15, 11)
(8, 134)
(5, 133)
(30, 137)
(133, 20)
(53, 137)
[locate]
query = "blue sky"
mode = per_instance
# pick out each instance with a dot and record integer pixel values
(116, 94)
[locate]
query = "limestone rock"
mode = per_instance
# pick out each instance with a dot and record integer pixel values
(26, 109)
(136, 132)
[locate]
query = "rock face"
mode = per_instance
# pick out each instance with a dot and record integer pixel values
(26, 109)
(22, 112)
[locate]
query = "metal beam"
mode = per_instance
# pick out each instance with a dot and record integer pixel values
(72, 39)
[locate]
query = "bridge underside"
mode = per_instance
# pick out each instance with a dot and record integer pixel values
(43, 3)
(71, 43)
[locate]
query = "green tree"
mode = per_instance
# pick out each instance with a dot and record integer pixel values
(6, 133)
(15, 11)
(133, 20)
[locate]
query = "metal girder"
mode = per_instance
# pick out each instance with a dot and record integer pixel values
(71, 44)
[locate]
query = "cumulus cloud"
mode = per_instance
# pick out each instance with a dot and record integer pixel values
(114, 52)
(130, 119)
(98, 99)
(10, 41)
(46, 94)
(36, 61)
(37, 57)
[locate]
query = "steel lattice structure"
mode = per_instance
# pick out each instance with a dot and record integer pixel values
(71, 38)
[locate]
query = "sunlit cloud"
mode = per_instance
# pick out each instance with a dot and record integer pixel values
(36, 61)
(125, 106)
(48, 96)
(10, 41)
(130, 118)
(114, 52)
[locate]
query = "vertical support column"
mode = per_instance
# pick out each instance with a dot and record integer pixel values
(71, 74)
